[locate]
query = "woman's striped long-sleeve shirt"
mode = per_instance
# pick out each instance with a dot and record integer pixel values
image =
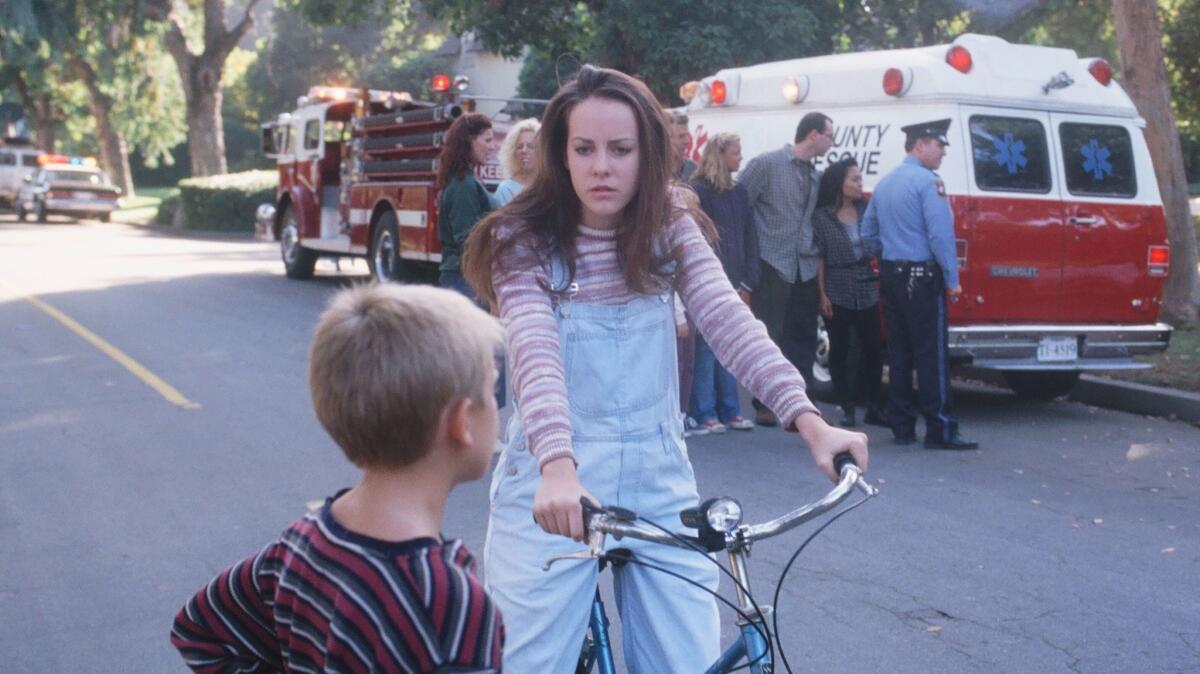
(739, 340)
(324, 599)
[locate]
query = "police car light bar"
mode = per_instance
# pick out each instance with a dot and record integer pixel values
(63, 159)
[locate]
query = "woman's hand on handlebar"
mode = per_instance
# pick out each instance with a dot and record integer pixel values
(556, 502)
(826, 442)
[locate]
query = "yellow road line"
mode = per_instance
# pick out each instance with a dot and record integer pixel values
(152, 380)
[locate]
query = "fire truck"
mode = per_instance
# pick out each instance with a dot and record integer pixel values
(1061, 236)
(357, 171)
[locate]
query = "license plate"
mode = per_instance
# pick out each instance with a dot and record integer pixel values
(1058, 349)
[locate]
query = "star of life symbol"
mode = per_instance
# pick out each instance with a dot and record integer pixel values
(1095, 160)
(1009, 153)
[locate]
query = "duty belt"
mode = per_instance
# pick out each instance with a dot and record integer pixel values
(913, 270)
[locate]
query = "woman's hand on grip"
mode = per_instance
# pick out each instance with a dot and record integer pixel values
(556, 503)
(825, 442)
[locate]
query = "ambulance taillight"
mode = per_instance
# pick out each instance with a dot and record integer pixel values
(959, 58)
(1158, 260)
(1101, 70)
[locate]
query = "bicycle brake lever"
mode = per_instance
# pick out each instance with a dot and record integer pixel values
(582, 554)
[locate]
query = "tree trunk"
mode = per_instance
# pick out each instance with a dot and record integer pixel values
(1145, 76)
(114, 154)
(206, 132)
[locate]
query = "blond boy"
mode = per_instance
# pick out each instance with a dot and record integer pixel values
(402, 379)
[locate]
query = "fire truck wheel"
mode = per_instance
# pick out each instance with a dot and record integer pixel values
(384, 260)
(821, 386)
(1041, 385)
(298, 261)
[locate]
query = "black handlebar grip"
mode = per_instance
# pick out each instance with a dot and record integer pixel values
(841, 460)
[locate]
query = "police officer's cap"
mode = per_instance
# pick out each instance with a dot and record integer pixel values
(936, 130)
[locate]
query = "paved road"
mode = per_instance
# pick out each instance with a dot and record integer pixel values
(1071, 542)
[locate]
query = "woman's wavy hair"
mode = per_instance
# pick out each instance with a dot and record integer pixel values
(712, 162)
(455, 160)
(829, 193)
(508, 149)
(548, 209)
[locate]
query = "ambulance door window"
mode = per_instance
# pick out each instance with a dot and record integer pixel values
(1010, 154)
(1098, 159)
(29, 160)
(8, 159)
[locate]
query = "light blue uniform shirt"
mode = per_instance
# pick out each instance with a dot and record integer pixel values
(506, 191)
(909, 218)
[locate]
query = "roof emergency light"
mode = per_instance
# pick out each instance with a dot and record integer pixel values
(896, 81)
(795, 89)
(959, 58)
(441, 83)
(717, 92)
(1101, 70)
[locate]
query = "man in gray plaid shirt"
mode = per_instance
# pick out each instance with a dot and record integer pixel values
(783, 191)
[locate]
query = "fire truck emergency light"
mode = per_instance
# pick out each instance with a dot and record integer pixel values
(441, 83)
(1101, 70)
(959, 58)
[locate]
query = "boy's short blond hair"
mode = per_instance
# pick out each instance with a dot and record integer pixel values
(387, 359)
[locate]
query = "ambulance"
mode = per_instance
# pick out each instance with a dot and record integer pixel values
(1061, 236)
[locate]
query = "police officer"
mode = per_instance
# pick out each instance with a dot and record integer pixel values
(909, 224)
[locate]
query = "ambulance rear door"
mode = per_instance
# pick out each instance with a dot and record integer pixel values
(1112, 207)
(1014, 228)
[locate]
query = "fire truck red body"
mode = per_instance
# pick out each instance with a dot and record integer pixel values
(357, 175)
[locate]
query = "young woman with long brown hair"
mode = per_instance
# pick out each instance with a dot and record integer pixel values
(582, 266)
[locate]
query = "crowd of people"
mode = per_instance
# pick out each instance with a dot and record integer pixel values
(605, 252)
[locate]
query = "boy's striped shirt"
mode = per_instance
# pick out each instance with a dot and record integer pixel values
(325, 599)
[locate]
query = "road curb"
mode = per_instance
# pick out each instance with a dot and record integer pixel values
(1137, 398)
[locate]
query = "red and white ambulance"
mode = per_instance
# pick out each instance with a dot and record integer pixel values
(1062, 242)
(357, 172)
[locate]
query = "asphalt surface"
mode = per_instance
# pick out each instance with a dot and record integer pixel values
(1069, 543)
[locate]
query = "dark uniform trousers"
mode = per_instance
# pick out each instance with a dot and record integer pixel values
(789, 311)
(915, 309)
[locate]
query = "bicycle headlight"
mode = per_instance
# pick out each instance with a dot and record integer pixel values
(724, 514)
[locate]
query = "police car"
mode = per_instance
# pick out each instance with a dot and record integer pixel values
(71, 186)
(1061, 237)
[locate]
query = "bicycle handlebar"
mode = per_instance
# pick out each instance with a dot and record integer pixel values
(619, 522)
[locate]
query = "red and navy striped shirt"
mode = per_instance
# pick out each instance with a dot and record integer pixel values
(325, 599)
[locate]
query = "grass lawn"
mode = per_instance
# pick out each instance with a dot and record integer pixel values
(141, 208)
(1178, 367)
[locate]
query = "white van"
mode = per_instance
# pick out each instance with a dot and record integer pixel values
(17, 160)
(1062, 241)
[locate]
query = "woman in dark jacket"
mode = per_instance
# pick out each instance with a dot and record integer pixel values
(714, 399)
(849, 295)
(463, 200)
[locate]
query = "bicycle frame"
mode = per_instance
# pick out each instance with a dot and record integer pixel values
(750, 646)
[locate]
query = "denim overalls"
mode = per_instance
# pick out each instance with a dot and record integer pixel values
(623, 392)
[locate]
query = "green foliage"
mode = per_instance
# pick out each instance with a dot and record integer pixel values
(1181, 29)
(665, 43)
(225, 202)
(396, 54)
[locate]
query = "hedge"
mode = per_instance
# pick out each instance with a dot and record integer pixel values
(225, 202)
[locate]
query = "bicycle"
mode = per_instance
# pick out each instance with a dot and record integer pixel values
(718, 522)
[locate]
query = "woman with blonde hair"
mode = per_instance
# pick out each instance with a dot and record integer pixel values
(714, 402)
(518, 158)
